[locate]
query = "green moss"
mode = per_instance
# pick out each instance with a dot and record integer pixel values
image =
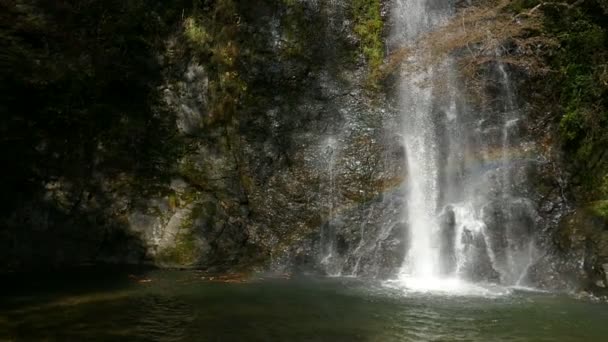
(292, 25)
(196, 34)
(369, 26)
(599, 208)
(185, 250)
(183, 253)
(188, 170)
(572, 125)
(519, 6)
(173, 201)
(211, 36)
(604, 184)
(189, 196)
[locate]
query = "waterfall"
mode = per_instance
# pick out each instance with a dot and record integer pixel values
(420, 142)
(329, 256)
(422, 261)
(466, 220)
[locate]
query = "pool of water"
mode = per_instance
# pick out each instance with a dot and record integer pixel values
(190, 306)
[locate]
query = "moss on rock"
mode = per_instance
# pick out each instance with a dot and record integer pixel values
(185, 249)
(600, 209)
(369, 27)
(182, 253)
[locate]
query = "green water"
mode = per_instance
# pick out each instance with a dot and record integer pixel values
(181, 306)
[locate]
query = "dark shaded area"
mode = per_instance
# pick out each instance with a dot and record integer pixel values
(80, 105)
(80, 92)
(21, 287)
(108, 104)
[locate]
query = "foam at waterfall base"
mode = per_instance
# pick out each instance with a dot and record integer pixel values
(445, 286)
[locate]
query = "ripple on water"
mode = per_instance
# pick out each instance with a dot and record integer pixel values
(162, 318)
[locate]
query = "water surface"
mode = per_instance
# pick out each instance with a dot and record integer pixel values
(188, 306)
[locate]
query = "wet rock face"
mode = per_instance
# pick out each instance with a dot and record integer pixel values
(479, 266)
(357, 198)
(309, 148)
(186, 97)
(582, 243)
(510, 225)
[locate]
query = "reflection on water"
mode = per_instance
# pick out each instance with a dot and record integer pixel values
(189, 306)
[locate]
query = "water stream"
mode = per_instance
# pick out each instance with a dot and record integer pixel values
(329, 256)
(466, 221)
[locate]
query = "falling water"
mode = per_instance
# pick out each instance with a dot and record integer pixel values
(329, 254)
(414, 17)
(510, 118)
(464, 220)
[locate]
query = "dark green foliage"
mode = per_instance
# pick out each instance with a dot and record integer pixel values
(519, 6)
(577, 86)
(581, 80)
